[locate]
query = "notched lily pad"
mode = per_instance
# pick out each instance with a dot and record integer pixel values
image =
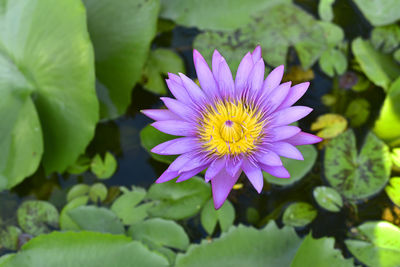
(210, 216)
(299, 214)
(357, 176)
(329, 125)
(98, 192)
(104, 169)
(328, 198)
(393, 190)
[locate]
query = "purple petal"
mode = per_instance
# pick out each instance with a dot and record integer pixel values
(268, 157)
(304, 139)
(216, 59)
(286, 150)
(214, 168)
(175, 127)
(278, 95)
(277, 171)
(187, 175)
(179, 109)
(256, 55)
(289, 115)
(194, 163)
(295, 93)
(195, 93)
(256, 76)
(160, 114)
(254, 174)
(175, 78)
(180, 161)
(225, 80)
(282, 132)
(178, 91)
(166, 176)
(222, 184)
(204, 74)
(233, 166)
(243, 72)
(176, 146)
(273, 80)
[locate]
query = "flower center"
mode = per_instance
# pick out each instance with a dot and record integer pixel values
(230, 128)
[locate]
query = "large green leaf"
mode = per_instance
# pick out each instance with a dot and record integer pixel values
(244, 246)
(387, 126)
(83, 249)
(46, 75)
(150, 137)
(376, 244)
(179, 200)
(319, 252)
(380, 12)
(380, 68)
(357, 176)
(297, 168)
(121, 32)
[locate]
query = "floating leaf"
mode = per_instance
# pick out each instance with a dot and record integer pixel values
(96, 219)
(161, 232)
(357, 176)
(379, 12)
(210, 216)
(160, 62)
(396, 158)
(333, 61)
(9, 237)
(83, 249)
(179, 200)
(98, 192)
(378, 67)
(244, 246)
(319, 252)
(386, 38)
(393, 190)
(37, 217)
(299, 214)
(150, 137)
(396, 55)
(325, 11)
(127, 206)
(77, 190)
(328, 198)
(66, 223)
(329, 125)
(358, 111)
(81, 165)
(376, 244)
(103, 169)
(121, 33)
(333, 34)
(297, 168)
(387, 127)
(48, 104)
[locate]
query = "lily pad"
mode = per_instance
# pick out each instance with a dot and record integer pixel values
(325, 10)
(329, 125)
(386, 38)
(379, 12)
(47, 115)
(179, 200)
(9, 237)
(319, 252)
(210, 216)
(376, 244)
(37, 217)
(66, 223)
(393, 190)
(357, 176)
(98, 192)
(103, 169)
(77, 190)
(299, 214)
(358, 111)
(121, 33)
(81, 165)
(244, 246)
(297, 168)
(328, 198)
(150, 137)
(83, 249)
(333, 62)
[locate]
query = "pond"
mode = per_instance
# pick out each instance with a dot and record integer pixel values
(77, 178)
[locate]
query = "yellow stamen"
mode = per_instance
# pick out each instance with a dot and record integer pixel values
(230, 128)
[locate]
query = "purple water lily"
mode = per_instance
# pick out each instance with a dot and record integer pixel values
(229, 126)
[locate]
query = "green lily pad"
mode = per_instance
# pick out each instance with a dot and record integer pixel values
(210, 216)
(66, 223)
(77, 190)
(160, 62)
(121, 33)
(325, 10)
(9, 237)
(329, 125)
(319, 252)
(357, 176)
(81, 165)
(48, 102)
(396, 157)
(161, 232)
(83, 249)
(92, 218)
(299, 214)
(380, 68)
(150, 137)
(393, 190)
(376, 244)
(244, 246)
(37, 217)
(297, 168)
(178, 200)
(386, 38)
(358, 111)
(328, 198)
(379, 12)
(104, 169)
(333, 62)
(98, 192)
(387, 127)
(396, 55)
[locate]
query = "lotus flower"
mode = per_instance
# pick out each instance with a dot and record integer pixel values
(228, 126)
